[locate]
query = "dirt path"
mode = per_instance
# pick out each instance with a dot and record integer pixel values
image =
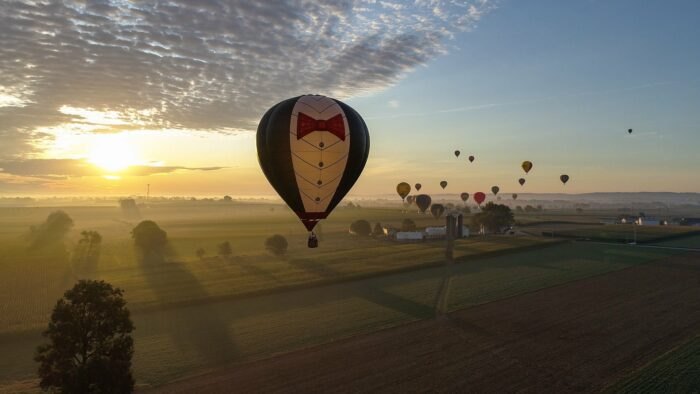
(581, 336)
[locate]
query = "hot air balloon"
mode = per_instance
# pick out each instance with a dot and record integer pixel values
(527, 166)
(443, 184)
(515, 196)
(564, 178)
(418, 186)
(403, 189)
(495, 190)
(479, 197)
(464, 196)
(629, 131)
(471, 159)
(437, 210)
(312, 149)
(410, 199)
(423, 202)
(521, 181)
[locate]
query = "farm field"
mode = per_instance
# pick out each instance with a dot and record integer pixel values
(625, 233)
(560, 339)
(675, 372)
(692, 242)
(39, 277)
(179, 341)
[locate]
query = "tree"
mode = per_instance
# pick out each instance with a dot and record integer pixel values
(494, 217)
(90, 239)
(277, 244)
(228, 198)
(378, 229)
(361, 228)
(408, 225)
(519, 209)
(90, 345)
(149, 239)
(225, 249)
(87, 252)
(52, 231)
(200, 252)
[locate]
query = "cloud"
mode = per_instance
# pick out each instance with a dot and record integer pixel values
(60, 169)
(393, 103)
(217, 65)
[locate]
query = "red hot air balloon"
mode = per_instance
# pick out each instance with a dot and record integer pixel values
(521, 181)
(418, 186)
(479, 197)
(443, 184)
(471, 159)
(312, 149)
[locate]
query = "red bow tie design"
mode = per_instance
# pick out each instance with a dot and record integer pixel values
(307, 124)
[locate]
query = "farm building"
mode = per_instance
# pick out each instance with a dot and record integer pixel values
(695, 222)
(644, 221)
(441, 232)
(409, 236)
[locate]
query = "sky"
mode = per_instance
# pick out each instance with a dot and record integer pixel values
(105, 97)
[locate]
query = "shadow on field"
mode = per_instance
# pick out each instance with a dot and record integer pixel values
(206, 332)
(370, 293)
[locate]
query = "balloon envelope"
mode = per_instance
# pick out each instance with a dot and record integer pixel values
(423, 202)
(410, 199)
(443, 184)
(564, 178)
(521, 181)
(464, 196)
(437, 210)
(471, 159)
(629, 131)
(403, 189)
(312, 149)
(495, 190)
(418, 186)
(457, 153)
(479, 197)
(515, 196)
(527, 166)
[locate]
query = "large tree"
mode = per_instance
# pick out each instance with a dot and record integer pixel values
(150, 239)
(90, 345)
(494, 217)
(52, 231)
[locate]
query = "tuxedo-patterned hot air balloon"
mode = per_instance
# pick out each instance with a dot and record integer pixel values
(312, 149)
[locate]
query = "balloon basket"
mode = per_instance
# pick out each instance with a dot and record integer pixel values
(312, 242)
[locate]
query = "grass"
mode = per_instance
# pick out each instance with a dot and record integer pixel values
(676, 372)
(625, 233)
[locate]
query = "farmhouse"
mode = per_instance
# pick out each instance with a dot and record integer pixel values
(695, 222)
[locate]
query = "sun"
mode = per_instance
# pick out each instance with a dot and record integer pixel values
(113, 153)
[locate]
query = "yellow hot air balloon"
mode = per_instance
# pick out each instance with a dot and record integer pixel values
(527, 166)
(403, 189)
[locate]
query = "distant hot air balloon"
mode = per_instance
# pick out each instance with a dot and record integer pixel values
(495, 190)
(410, 199)
(312, 149)
(464, 196)
(515, 196)
(457, 153)
(629, 131)
(471, 159)
(479, 197)
(403, 189)
(423, 202)
(527, 166)
(436, 210)
(564, 178)
(521, 181)
(417, 186)
(443, 184)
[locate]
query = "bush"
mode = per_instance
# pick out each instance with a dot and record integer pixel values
(225, 249)
(361, 228)
(200, 252)
(277, 244)
(408, 225)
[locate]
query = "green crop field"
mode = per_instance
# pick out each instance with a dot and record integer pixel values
(622, 232)
(692, 242)
(676, 372)
(189, 319)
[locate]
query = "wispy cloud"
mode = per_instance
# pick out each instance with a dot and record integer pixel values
(114, 65)
(57, 169)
